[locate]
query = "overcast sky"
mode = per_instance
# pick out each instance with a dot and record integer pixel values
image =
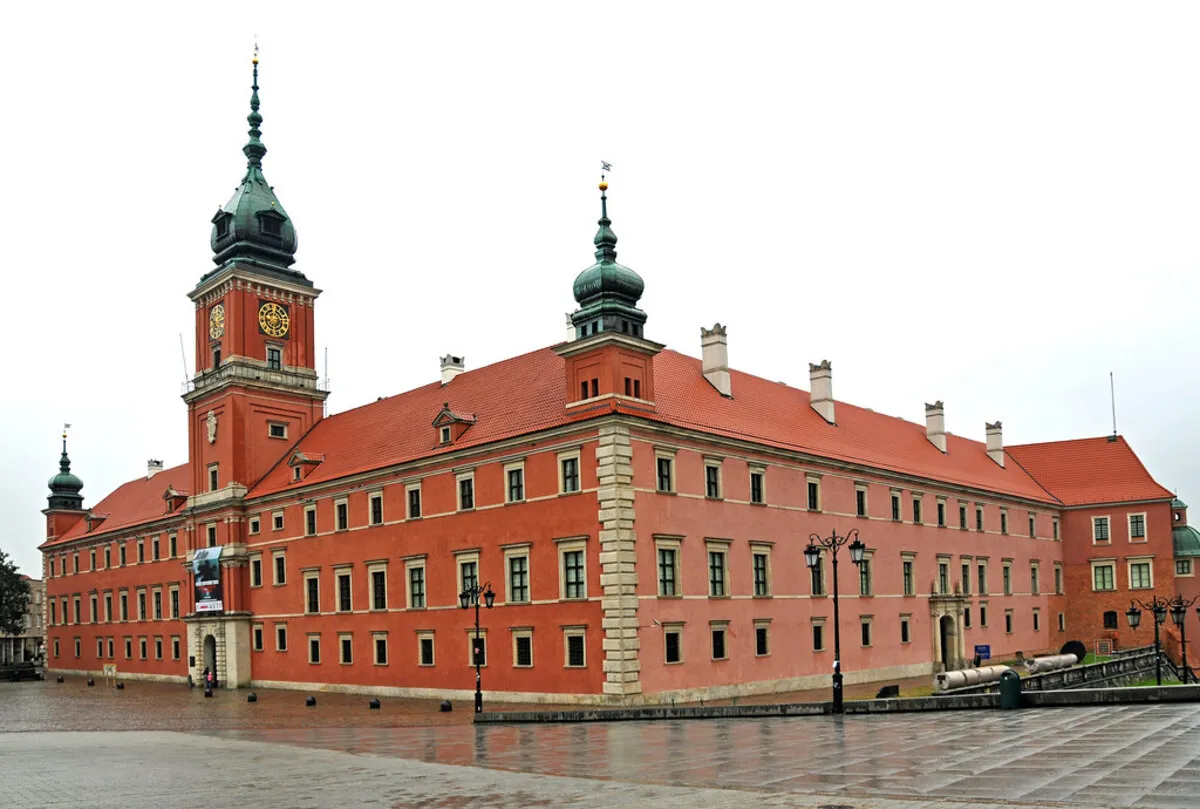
(993, 205)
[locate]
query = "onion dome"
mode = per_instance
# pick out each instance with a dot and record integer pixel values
(608, 292)
(65, 488)
(253, 228)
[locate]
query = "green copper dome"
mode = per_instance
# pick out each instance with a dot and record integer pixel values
(608, 292)
(65, 487)
(253, 228)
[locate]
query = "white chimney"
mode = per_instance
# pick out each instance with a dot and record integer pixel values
(570, 329)
(452, 366)
(715, 351)
(935, 425)
(995, 442)
(820, 378)
(153, 467)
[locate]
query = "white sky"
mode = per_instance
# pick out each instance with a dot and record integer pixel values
(994, 205)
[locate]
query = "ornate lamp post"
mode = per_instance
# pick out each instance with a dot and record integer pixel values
(470, 598)
(1179, 609)
(812, 557)
(1158, 607)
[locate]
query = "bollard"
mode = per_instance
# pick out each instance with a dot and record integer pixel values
(446, 706)
(58, 679)
(91, 682)
(208, 692)
(310, 702)
(373, 705)
(252, 697)
(120, 686)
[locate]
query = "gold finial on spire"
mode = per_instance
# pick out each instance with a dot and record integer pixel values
(65, 428)
(604, 167)
(255, 60)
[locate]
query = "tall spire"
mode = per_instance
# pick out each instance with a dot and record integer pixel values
(65, 487)
(606, 240)
(254, 149)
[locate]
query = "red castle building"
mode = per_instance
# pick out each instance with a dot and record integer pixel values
(641, 516)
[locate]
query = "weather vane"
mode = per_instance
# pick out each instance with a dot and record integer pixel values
(65, 428)
(604, 168)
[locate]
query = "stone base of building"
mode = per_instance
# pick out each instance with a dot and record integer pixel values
(125, 676)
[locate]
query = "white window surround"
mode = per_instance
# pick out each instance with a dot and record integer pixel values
(566, 546)
(812, 477)
(310, 510)
(867, 620)
(515, 552)
(308, 643)
(312, 575)
(1148, 561)
(673, 627)
(342, 638)
(408, 500)
(762, 623)
(458, 479)
(670, 543)
(428, 634)
(255, 524)
(521, 632)
(814, 622)
(720, 546)
(372, 569)
(1145, 537)
(721, 626)
(666, 454)
(371, 498)
(1184, 568)
(338, 504)
(461, 558)
(1108, 522)
(718, 464)
(276, 520)
(573, 632)
(375, 638)
(411, 562)
(761, 471)
(763, 549)
(905, 620)
(1109, 563)
(568, 455)
(515, 466)
(275, 580)
(487, 657)
(277, 430)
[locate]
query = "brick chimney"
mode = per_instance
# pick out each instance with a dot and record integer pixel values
(935, 425)
(452, 366)
(715, 350)
(995, 442)
(153, 467)
(820, 379)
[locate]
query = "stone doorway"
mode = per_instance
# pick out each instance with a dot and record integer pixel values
(210, 654)
(946, 635)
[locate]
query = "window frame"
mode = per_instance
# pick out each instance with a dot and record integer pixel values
(375, 508)
(897, 506)
(512, 553)
(761, 549)
(566, 546)
(1139, 561)
(758, 498)
(428, 635)
(812, 492)
(378, 637)
(718, 548)
(672, 545)
(408, 501)
(814, 624)
(345, 638)
(313, 638)
(762, 625)
(866, 631)
(480, 636)
(673, 628)
(1096, 539)
(514, 471)
(461, 558)
(278, 565)
(564, 458)
(714, 488)
(461, 494)
(341, 514)
(721, 628)
(908, 574)
(519, 633)
(1145, 537)
(664, 460)
(1111, 565)
(312, 575)
(310, 520)
(374, 568)
(570, 633)
(418, 562)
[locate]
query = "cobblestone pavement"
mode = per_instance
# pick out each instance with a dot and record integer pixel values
(338, 754)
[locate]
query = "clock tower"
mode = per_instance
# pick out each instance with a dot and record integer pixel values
(256, 390)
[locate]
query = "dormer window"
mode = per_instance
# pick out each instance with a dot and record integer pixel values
(271, 225)
(221, 223)
(296, 473)
(450, 426)
(274, 358)
(445, 435)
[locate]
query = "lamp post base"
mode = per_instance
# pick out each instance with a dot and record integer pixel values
(837, 693)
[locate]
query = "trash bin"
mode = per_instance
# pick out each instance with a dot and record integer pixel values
(1010, 690)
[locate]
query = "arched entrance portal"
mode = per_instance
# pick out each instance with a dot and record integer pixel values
(947, 644)
(210, 653)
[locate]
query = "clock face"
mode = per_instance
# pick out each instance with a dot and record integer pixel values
(273, 319)
(216, 321)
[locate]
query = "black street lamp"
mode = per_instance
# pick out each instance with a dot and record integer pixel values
(1158, 607)
(1179, 608)
(470, 598)
(812, 558)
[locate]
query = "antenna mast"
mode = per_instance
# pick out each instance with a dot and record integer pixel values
(1112, 391)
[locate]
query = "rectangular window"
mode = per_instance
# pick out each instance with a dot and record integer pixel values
(274, 358)
(983, 614)
(310, 521)
(1139, 575)
(342, 512)
(966, 617)
(667, 584)
(94, 614)
(381, 650)
(1137, 526)
(414, 502)
(157, 600)
(978, 518)
(312, 594)
(941, 514)
(664, 475)
(909, 584)
(522, 648)
(343, 585)
(1008, 622)
(817, 576)
(756, 487)
(962, 517)
(574, 585)
(518, 579)
(981, 569)
(1100, 529)
(570, 475)
(477, 645)
(864, 577)
(1035, 585)
(673, 645)
(1054, 525)
(712, 481)
(966, 578)
(416, 587)
(142, 648)
(212, 479)
(121, 553)
(516, 485)
(716, 573)
(1062, 622)
(1183, 567)
(718, 643)
(377, 509)
(469, 574)
(865, 631)
(814, 495)
(108, 607)
(466, 493)
(280, 568)
(129, 648)
(276, 430)
(762, 640)
(141, 555)
(576, 651)
(905, 631)
(1037, 620)
(277, 521)
(141, 607)
(1103, 577)
(111, 655)
(818, 637)
(943, 578)
(1032, 525)
(212, 538)
(53, 613)
(280, 638)
(425, 649)
(1007, 579)
(314, 648)
(895, 507)
(124, 607)
(1058, 580)
(158, 649)
(346, 642)
(379, 589)
(257, 635)
(255, 526)
(762, 583)
(1003, 521)
(916, 505)
(256, 572)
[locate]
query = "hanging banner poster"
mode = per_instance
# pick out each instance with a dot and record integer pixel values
(206, 568)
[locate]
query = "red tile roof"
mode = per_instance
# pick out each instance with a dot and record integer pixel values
(528, 393)
(138, 501)
(1089, 470)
